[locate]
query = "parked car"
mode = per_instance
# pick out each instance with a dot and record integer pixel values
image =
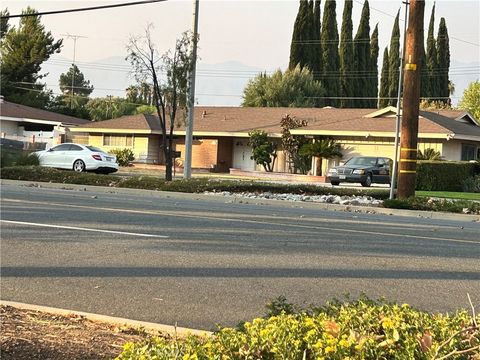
(362, 169)
(78, 157)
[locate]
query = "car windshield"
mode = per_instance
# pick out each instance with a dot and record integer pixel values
(93, 148)
(369, 161)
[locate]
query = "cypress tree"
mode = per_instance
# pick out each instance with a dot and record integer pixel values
(317, 47)
(382, 102)
(431, 67)
(298, 45)
(346, 56)
(394, 63)
(443, 55)
(331, 62)
(373, 73)
(361, 56)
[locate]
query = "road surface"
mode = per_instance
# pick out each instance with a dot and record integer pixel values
(197, 261)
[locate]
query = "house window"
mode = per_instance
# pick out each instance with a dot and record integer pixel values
(468, 152)
(117, 140)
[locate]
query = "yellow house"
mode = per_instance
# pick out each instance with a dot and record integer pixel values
(221, 134)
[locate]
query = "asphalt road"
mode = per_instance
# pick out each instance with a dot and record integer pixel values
(198, 261)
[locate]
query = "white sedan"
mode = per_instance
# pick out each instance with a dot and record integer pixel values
(78, 157)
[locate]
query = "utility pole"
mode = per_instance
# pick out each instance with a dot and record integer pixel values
(187, 168)
(74, 38)
(411, 101)
(397, 123)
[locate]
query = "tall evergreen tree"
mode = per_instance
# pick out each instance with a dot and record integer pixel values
(431, 65)
(373, 73)
(331, 61)
(311, 45)
(361, 56)
(317, 47)
(382, 102)
(443, 55)
(300, 36)
(346, 57)
(23, 51)
(394, 63)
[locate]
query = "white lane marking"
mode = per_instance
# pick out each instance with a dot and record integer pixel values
(81, 228)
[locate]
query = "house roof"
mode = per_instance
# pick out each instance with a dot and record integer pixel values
(238, 121)
(135, 123)
(12, 111)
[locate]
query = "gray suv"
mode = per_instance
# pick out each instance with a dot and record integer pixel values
(363, 169)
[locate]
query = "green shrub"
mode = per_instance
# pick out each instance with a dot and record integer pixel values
(444, 175)
(431, 204)
(361, 329)
(124, 156)
(472, 184)
(12, 157)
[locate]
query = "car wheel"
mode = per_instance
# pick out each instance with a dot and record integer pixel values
(78, 166)
(368, 181)
(334, 183)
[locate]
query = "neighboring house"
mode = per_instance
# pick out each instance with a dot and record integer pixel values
(221, 134)
(35, 126)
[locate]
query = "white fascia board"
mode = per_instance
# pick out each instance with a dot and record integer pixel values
(33, 121)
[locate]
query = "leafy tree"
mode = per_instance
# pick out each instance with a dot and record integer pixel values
(394, 63)
(443, 54)
(383, 95)
(429, 154)
(330, 56)
(4, 25)
(145, 109)
(346, 57)
(323, 148)
(70, 105)
(431, 64)
(291, 144)
(170, 94)
(471, 99)
(293, 88)
(23, 51)
(264, 151)
(361, 56)
(140, 94)
(373, 73)
(109, 107)
(81, 86)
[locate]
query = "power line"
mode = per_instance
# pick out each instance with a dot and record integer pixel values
(82, 9)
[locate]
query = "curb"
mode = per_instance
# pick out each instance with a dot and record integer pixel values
(166, 329)
(434, 215)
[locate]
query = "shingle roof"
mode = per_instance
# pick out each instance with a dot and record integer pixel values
(133, 122)
(209, 119)
(13, 110)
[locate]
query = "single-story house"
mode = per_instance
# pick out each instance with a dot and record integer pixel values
(221, 134)
(35, 126)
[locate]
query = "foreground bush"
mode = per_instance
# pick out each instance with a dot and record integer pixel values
(362, 329)
(472, 184)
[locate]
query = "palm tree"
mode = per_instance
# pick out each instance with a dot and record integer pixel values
(322, 149)
(429, 154)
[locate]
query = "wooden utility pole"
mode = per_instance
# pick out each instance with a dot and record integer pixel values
(411, 101)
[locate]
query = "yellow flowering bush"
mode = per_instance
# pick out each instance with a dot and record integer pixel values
(361, 329)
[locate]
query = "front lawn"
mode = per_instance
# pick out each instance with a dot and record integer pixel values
(449, 195)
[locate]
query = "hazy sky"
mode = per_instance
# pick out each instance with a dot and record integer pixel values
(255, 33)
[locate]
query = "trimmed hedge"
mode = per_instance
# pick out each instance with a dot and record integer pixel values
(195, 185)
(361, 329)
(444, 175)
